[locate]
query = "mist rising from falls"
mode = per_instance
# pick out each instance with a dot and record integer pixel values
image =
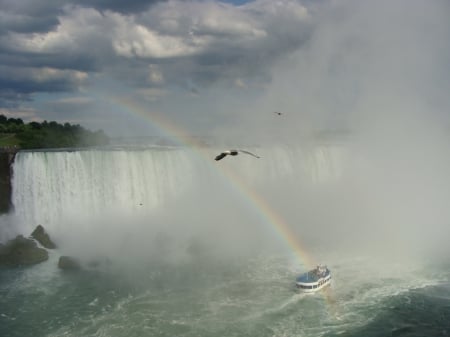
(179, 200)
(139, 197)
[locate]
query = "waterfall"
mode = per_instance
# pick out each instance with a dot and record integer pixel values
(48, 186)
(53, 187)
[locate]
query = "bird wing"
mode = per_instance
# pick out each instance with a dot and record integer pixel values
(221, 156)
(252, 154)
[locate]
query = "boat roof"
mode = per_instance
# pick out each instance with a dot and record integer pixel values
(311, 276)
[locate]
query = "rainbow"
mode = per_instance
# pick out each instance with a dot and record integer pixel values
(260, 206)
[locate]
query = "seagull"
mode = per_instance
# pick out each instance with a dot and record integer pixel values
(278, 113)
(234, 153)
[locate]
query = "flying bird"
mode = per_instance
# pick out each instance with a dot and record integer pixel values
(234, 153)
(278, 113)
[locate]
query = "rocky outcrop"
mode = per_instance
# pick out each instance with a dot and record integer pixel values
(21, 252)
(68, 263)
(6, 159)
(41, 236)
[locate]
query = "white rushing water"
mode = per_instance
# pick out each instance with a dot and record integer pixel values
(48, 186)
(51, 186)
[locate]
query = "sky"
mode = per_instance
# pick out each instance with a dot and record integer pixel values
(223, 67)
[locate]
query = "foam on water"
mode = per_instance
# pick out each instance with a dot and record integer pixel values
(180, 264)
(254, 297)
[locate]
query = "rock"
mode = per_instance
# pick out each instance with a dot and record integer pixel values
(68, 263)
(20, 252)
(41, 236)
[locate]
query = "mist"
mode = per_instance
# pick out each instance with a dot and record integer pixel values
(372, 77)
(358, 162)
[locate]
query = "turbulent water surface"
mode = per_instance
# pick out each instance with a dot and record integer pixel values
(173, 245)
(254, 297)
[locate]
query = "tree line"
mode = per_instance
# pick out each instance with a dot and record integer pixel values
(34, 135)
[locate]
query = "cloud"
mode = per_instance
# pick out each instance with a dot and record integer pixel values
(26, 81)
(133, 40)
(364, 65)
(28, 16)
(170, 43)
(127, 7)
(22, 23)
(325, 63)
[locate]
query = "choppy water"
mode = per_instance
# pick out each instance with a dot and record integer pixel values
(184, 252)
(211, 297)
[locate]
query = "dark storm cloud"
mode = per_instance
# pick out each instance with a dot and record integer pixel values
(26, 24)
(30, 7)
(129, 6)
(81, 62)
(20, 83)
(145, 43)
(10, 99)
(40, 16)
(53, 58)
(29, 84)
(27, 16)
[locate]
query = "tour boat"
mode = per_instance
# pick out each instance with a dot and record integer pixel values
(314, 279)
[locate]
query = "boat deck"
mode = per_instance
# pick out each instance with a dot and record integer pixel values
(311, 276)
